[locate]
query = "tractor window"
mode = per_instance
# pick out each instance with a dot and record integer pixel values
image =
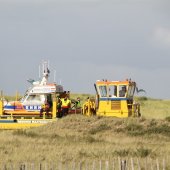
(112, 91)
(122, 90)
(103, 91)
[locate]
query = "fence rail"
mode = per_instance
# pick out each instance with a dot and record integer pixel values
(114, 164)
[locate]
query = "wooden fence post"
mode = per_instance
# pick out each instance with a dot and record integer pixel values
(86, 165)
(50, 166)
(146, 164)
(123, 164)
(46, 166)
(60, 165)
(107, 165)
(73, 165)
(32, 166)
(80, 166)
(100, 165)
(157, 164)
(132, 164)
(163, 164)
(151, 162)
(4, 167)
(113, 165)
(119, 163)
(94, 165)
(40, 166)
(139, 168)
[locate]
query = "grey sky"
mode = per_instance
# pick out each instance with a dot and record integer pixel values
(86, 40)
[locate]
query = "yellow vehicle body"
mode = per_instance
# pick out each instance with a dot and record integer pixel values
(113, 98)
(113, 108)
(21, 120)
(22, 124)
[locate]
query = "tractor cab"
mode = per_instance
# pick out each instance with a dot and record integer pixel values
(115, 98)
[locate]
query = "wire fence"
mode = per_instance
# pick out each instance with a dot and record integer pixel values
(114, 164)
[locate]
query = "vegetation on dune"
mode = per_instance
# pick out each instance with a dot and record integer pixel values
(77, 137)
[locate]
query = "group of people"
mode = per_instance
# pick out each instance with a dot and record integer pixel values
(63, 106)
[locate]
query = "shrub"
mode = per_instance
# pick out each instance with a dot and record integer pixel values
(99, 128)
(167, 118)
(90, 139)
(134, 129)
(142, 98)
(122, 152)
(143, 152)
(152, 123)
(162, 129)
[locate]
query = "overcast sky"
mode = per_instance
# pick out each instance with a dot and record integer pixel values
(86, 40)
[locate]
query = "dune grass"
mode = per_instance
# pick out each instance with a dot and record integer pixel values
(77, 137)
(154, 108)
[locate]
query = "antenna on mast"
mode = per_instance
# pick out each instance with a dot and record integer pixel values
(39, 71)
(60, 82)
(42, 65)
(54, 75)
(48, 62)
(46, 72)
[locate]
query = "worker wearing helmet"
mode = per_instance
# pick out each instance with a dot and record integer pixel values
(65, 105)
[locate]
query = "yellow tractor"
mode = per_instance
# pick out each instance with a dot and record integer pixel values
(113, 98)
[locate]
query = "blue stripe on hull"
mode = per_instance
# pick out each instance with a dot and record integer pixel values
(35, 107)
(112, 99)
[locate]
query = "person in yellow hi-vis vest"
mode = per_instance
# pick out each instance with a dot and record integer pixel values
(78, 103)
(65, 105)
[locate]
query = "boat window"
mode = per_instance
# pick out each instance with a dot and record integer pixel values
(34, 98)
(122, 90)
(103, 91)
(112, 91)
(42, 98)
(24, 97)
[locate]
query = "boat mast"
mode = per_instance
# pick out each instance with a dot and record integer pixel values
(45, 73)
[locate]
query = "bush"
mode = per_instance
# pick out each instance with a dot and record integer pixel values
(143, 152)
(162, 129)
(122, 153)
(167, 118)
(134, 129)
(99, 128)
(142, 98)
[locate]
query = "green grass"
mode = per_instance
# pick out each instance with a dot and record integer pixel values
(86, 139)
(77, 137)
(157, 109)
